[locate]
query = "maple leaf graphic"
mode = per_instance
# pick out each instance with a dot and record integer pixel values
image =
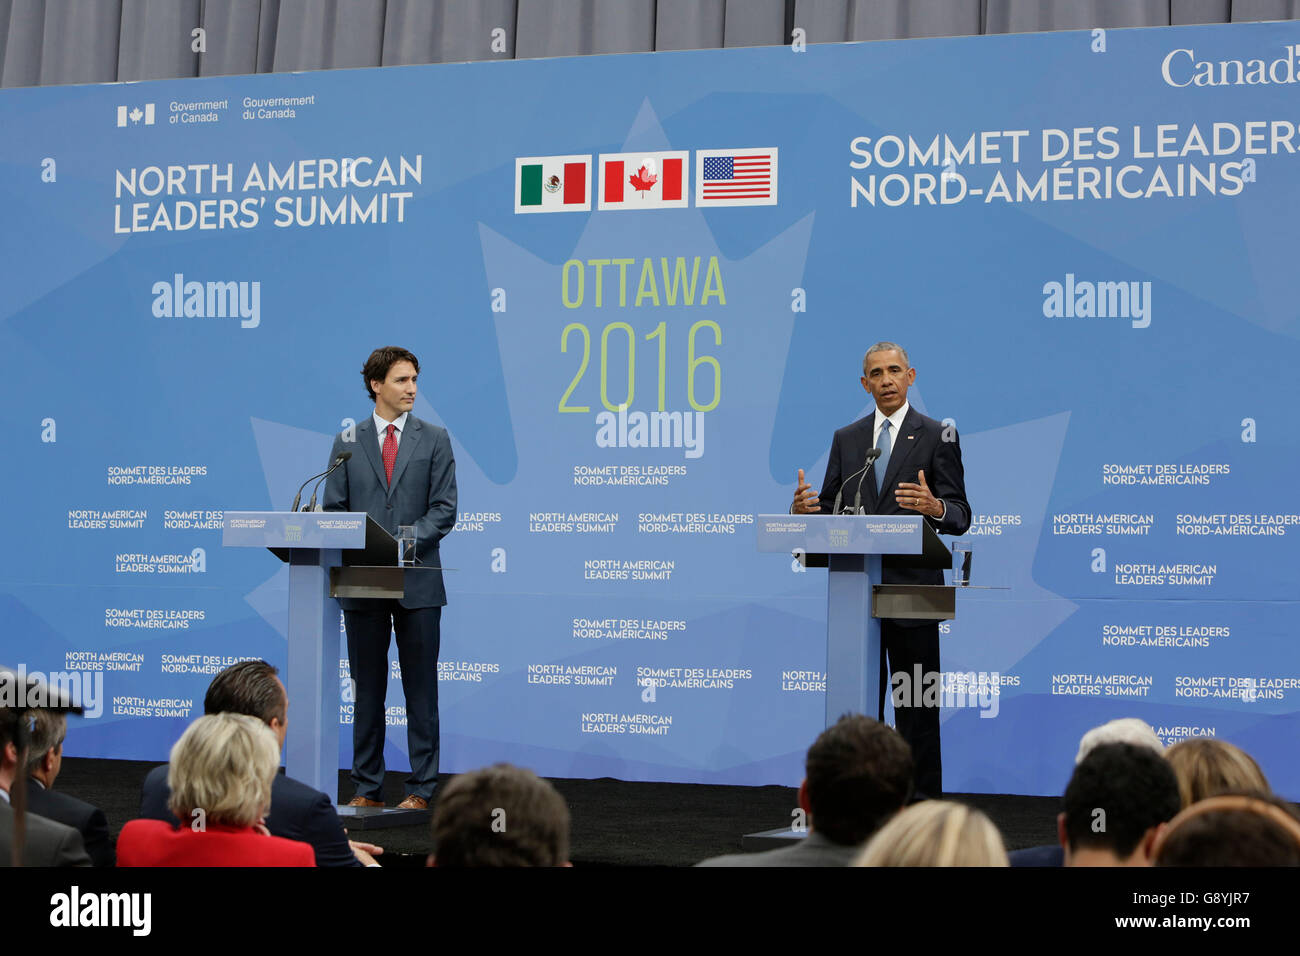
(642, 179)
(136, 115)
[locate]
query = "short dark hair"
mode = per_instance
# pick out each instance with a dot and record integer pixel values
(500, 816)
(1255, 829)
(1134, 787)
(859, 774)
(15, 725)
(248, 688)
(380, 361)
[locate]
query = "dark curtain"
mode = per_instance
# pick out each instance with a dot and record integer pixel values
(45, 42)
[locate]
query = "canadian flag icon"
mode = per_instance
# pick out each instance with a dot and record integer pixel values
(132, 115)
(644, 180)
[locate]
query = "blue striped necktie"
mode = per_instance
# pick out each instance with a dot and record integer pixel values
(882, 463)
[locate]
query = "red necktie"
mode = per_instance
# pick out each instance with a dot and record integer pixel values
(390, 452)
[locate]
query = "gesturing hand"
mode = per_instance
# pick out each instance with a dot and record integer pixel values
(806, 501)
(917, 497)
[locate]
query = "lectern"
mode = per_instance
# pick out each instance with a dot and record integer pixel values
(852, 546)
(330, 554)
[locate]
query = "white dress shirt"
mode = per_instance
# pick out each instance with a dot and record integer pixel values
(381, 426)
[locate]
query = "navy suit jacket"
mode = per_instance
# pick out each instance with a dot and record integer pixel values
(918, 446)
(298, 812)
(1052, 855)
(422, 493)
(85, 818)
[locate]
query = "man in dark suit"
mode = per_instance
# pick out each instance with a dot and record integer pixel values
(401, 473)
(1116, 806)
(858, 774)
(44, 760)
(919, 471)
(298, 812)
(45, 842)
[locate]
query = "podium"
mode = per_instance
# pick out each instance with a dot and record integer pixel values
(850, 548)
(856, 600)
(330, 554)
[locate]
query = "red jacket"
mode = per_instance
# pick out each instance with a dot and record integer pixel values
(154, 843)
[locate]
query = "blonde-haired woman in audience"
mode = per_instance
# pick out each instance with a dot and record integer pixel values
(1206, 767)
(936, 833)
(220, 777)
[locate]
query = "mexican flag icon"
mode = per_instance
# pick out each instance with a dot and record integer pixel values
(553, 183)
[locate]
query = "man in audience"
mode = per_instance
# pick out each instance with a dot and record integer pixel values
(500, 816)
(298, 812)
(1125, 730)
(1116, 805)
(857, 775)
(44, 761)
(45, 842)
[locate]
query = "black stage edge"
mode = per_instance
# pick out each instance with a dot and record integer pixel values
(381, 818)
(615, 823)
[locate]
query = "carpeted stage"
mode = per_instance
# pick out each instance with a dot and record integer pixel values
(615, 823)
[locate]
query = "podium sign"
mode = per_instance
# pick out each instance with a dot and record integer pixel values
(841, 534)
(288, 529)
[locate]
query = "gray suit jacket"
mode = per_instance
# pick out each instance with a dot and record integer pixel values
(47, 844)
(422, 493)
(812, 850)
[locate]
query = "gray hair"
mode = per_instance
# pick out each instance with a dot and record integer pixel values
(1125, 730)
(48, 730)
(223, 764)
(885, 347)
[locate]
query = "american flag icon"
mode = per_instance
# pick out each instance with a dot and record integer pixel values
(735, 177)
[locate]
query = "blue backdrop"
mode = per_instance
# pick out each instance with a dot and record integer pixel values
(1085, 240)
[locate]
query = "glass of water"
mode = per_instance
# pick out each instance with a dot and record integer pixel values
(406, 545)
(961, 563)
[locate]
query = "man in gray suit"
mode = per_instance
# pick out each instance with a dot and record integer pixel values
(857, 775)
(401, 473)
(46, 843)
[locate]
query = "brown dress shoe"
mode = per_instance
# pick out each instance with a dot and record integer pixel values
(360, 801)
(414, 803)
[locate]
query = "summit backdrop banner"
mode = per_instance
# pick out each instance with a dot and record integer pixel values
(640, 289)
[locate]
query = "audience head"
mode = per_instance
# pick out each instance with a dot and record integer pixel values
(1125, 730)
(1206, 767)
(858, 774)
(1231, 830)
(1118, 800)
(936, 833)
(45, 750)
(251, 688)
(500, 816)
(223, 765)
(13, 744)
